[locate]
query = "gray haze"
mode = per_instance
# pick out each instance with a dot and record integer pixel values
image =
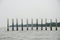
(28, 9)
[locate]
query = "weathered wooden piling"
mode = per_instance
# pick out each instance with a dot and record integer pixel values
(41, 24)
(12, 24)
(7, 24)
(51, 24)
(45, 24)
(16, 24)
(31, 24)
(36, 24)
(27, 24)
(56, 25)
(22, 24)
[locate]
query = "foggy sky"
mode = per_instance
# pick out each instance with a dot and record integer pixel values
(28, 9)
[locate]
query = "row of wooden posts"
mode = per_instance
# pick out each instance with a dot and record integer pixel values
(31, 24)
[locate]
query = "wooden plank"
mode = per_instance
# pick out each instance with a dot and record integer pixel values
(12, 24)
(45, 24)
(22, 24)
(7, 24)
(31, 24)
(36, 24)
(27, 24)
(16, 24)
(51, 24)
(41, 24)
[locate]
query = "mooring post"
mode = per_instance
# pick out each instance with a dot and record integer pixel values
(7, 24)
(22, 24)
(56, 25)
(12, 24)
(51, 24)
(45, 24)
(27, 24)
(36, 24)
(16, 24)
(31, 24)
(41, 24)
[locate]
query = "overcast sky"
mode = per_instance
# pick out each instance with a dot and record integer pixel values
(28, 9)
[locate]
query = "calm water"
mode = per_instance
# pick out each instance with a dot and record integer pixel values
(29, 35)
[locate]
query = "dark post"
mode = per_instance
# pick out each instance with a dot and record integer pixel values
(7, 24)
(45, 24)
(16, 24)
(36, 24)
(22, 24)
(31, 24)
(51, 24)
(27, 24)
(12, 24)
(56, 25)
(41, 24)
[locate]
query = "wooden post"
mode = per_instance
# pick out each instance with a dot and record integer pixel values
(45, 24)
(56, 25)
(22, 24)
(12, 24)
(31, 24)
(16, 24)
(41, 24)
(51, 24)
(7, 24)
(27, 24)
(36, 24)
